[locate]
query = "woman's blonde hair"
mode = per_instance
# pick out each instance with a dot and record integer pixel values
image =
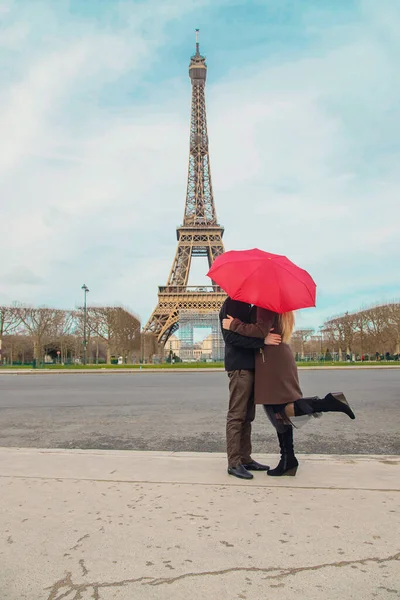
(286, 321)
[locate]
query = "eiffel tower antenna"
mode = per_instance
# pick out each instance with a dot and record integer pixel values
(200, 233)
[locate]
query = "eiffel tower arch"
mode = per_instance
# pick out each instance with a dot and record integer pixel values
(200, 233)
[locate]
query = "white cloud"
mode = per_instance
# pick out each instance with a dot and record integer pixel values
(21, 275)
(13, 36)
(303, 153)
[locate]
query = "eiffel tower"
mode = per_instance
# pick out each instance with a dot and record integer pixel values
(200, 234)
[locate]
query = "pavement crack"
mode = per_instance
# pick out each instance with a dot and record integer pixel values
(280, 573)
(65, 586)
(79, 542)
(83, 566)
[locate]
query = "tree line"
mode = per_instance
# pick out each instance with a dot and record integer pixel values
(29, 334)
(370, 333)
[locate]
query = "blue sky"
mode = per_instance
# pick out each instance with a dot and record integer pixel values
(304, 125)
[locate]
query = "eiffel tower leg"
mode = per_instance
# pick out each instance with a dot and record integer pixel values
(169, 326)
(215, 251)
(179, 274)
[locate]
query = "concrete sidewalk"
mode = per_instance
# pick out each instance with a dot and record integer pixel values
(103, 525)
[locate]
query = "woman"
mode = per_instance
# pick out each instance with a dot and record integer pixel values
(277, 383)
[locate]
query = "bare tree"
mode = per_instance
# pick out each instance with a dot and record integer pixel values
(342, 331)
(300, 337)
(9, 322)
(127, 335)
(61, 331)
(394, 321)
(380, 327)
(39, 323)
(360, 326)
(110, 330)
(18, 347)
(372, 330)
(118, 328)
(348, 326)
(100, 322)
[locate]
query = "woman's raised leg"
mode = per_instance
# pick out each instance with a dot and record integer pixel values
(333, 402)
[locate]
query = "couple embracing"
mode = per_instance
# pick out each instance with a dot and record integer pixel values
(262, 370)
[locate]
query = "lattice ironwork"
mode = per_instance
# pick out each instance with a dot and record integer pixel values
(189, 322)
(171, 300)
(200, 234)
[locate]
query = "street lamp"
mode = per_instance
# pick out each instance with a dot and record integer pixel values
(85, 291)
(321, 336)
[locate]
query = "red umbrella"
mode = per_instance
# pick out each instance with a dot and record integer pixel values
(267, 280)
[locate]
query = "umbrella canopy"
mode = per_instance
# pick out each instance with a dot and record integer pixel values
(267, 280)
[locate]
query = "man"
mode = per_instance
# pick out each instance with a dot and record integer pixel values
(240, 363)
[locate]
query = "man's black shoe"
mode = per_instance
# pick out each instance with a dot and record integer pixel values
(255, 466)
(240, 472)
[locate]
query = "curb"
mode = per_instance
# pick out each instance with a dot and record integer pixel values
(208, 370)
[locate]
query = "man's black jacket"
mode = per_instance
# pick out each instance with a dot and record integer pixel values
(239, 350)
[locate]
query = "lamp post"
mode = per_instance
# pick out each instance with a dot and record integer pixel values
(85, 291)
(321, 336)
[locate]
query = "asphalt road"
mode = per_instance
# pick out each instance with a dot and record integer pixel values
(186, 412)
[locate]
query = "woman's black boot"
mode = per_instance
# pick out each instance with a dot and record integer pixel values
(288, 463)
(336, 402)
(333, 402)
